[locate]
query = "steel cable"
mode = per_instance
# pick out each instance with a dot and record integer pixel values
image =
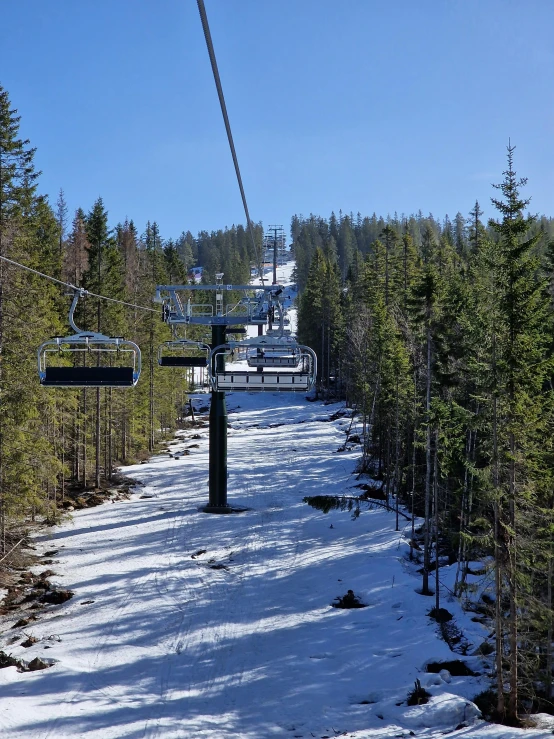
(211, 53)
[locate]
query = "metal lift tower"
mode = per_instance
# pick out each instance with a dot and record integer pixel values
(278, 238)
(250, 311)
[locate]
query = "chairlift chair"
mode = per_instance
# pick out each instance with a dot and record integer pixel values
(183, 353)
(301, 379)
(113, 361)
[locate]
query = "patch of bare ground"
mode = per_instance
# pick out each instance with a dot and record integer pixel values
(78, 496)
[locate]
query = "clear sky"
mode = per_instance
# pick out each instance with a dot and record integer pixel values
(359, 105)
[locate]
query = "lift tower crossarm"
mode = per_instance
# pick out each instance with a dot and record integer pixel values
(173, 288)
(178, 312)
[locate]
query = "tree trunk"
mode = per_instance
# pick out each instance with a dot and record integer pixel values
(110, 435)
(397, 454)
(512, 584)
(97, 440)
(414, 449)
(499, 623)
(436, 499)
(426, 543)
(151, 393)
(548, 678)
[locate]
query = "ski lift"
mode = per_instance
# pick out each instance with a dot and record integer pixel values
(301, 379)
(117, 361)
(183, 353)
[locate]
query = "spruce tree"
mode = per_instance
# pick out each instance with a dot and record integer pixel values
(521, 368)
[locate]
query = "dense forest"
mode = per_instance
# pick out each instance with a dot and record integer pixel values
(440, 334)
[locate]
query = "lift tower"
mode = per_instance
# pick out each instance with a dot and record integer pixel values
(178, 309)
(278, 238)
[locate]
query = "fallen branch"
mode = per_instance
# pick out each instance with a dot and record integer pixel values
(11, 550)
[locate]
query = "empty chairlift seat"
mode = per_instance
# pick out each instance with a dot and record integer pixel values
(183, 353)
(273, 358)
(89, 360)
(243, 381)
(300, 379)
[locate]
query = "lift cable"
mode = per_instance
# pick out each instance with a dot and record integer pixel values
(80, 290)
(211, 52)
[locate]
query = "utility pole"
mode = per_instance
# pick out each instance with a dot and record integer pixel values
(97, 439)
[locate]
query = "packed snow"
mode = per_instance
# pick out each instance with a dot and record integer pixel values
(185, 624)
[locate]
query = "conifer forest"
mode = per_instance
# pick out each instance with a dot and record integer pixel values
(437, 332)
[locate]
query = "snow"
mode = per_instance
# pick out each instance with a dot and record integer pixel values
(163, 639)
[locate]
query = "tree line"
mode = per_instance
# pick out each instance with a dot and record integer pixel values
(442, 337)
(57, 440)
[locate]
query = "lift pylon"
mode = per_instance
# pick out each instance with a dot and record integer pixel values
(295, 365)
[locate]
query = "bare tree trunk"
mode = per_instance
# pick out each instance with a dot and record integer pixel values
(397, 453)
(151, 434)
(97, 439)
(98, 406)
(548, 679)
(85, 460)
(124, 422)
(414, 467)
(387, 465)
(63, 460)
(459, 579)
(512, 584)
(76, 469)
(436, 498)
(322, 353)
(427, 543)
(499, 624)
(2, 275)
(110, 434)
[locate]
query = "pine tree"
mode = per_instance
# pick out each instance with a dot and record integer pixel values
(61, 217)
(76, 252)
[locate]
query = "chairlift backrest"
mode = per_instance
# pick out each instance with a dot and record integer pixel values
(277, 355)
(88, 377)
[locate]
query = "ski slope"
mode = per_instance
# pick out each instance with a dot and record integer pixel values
(185, 624)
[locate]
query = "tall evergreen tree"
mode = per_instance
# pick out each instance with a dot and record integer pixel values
(521, 369)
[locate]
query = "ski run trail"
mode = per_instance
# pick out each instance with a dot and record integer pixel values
(185, 624)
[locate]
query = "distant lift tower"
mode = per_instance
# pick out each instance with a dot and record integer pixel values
(276, 235)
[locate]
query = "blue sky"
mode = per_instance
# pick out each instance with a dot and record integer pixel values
(359, 105)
